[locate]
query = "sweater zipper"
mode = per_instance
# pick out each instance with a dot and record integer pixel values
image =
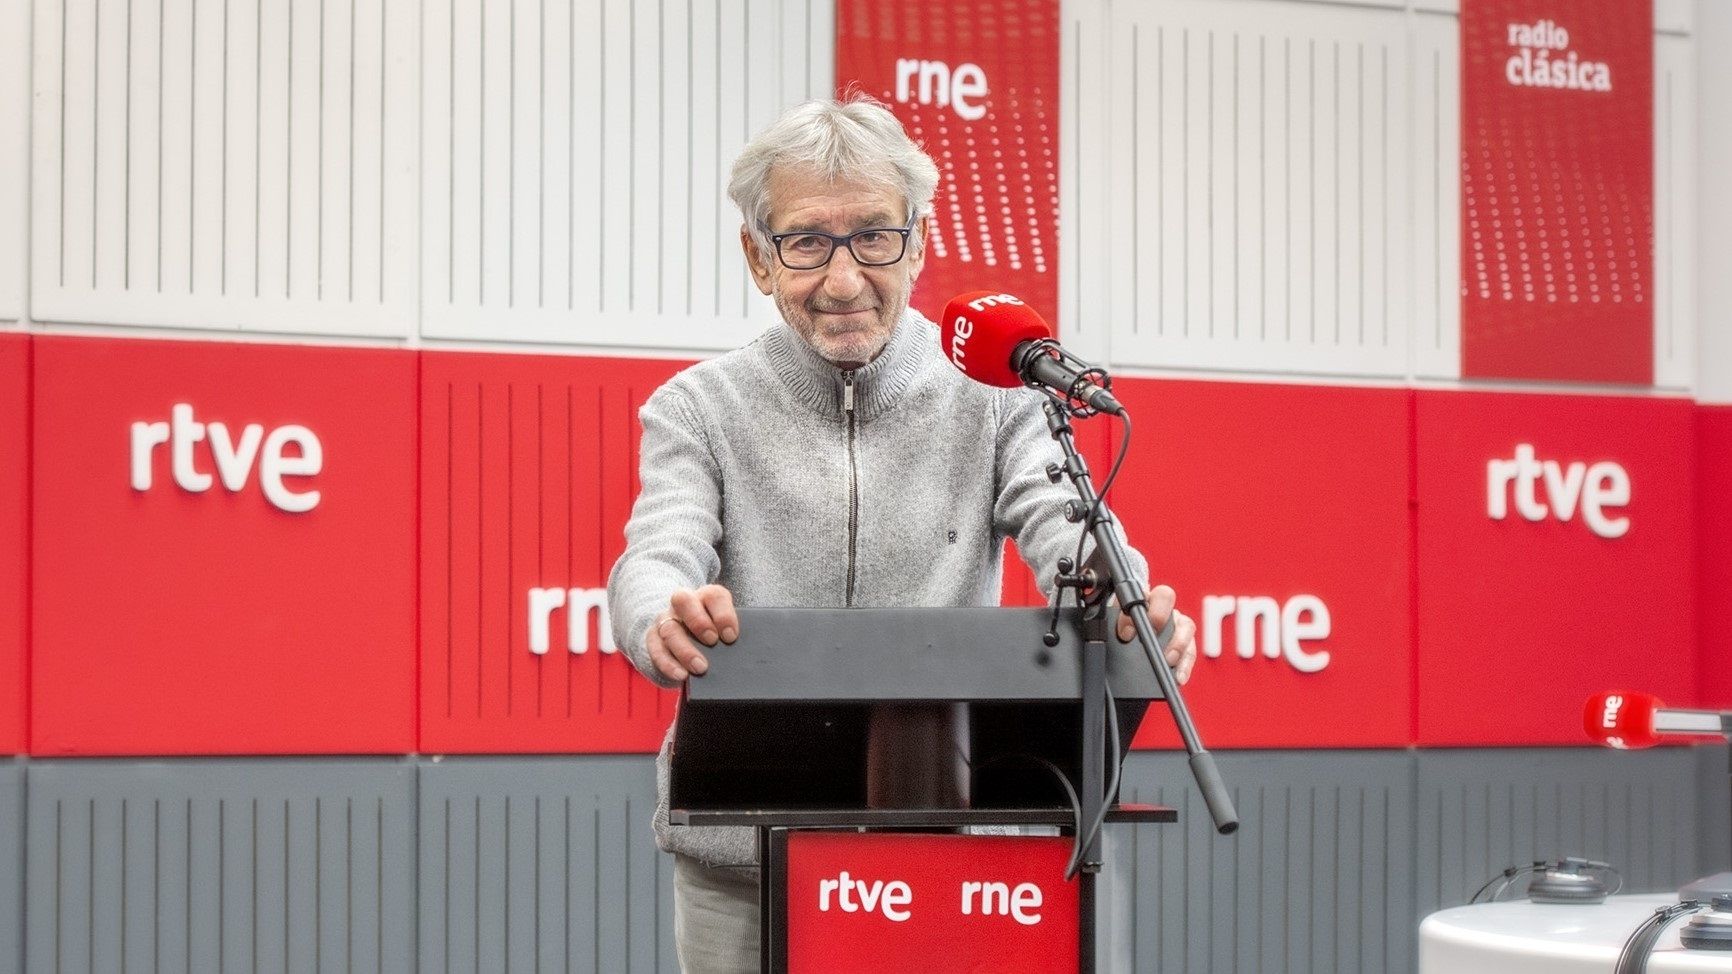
(853, 483)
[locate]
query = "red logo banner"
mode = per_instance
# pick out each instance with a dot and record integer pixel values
(976, 83)
(1557, 141)
(225, 549)
(1554, 543)
(871, 902)
(14, 519)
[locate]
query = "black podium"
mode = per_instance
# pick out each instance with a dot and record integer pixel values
(906, 720)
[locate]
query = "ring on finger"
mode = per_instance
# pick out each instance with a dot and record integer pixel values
(662, 626)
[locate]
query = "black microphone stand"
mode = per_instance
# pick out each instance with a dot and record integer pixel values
(1121, 581)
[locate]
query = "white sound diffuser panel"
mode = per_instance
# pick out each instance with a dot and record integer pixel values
(1436, 160)
(14, 155)
(1675, 202)
(576, 159)
(240, 164)
(1260, 186)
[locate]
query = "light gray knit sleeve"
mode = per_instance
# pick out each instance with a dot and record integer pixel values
(1030, 508)
(675, 526)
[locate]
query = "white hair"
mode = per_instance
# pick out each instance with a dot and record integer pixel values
(855, 139)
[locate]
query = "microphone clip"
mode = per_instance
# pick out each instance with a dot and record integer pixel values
(1087, 381)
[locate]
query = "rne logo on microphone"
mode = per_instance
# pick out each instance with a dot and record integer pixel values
(1609, 714)
(987, 301)
(964, 330)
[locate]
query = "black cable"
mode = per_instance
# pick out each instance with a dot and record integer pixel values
(1057, 772)
(1083, 840)
(1633, 959)
(1088, 522)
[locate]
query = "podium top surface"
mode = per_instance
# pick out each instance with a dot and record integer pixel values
(952, 654)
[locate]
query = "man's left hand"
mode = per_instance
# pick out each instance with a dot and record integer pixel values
(1182, 649)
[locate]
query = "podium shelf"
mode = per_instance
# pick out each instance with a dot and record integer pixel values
(910, 817)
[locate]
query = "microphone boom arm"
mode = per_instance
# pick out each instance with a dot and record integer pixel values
(1134, 600)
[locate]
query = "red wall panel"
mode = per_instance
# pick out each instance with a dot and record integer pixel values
(14, 527)
(1261, 495)
(1714, 552)
(529, 471)
(170, 620)
(1521, 620)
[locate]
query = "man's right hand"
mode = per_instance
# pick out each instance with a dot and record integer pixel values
(705, 615)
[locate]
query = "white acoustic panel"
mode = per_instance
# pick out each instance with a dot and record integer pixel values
(1259, 188)
(1675, 202)
(576, 159)
(238, 164)
(1436, 164)
(14, 155)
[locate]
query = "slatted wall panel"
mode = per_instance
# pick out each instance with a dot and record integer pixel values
(533, 865)
(1259, 186)
(1713, 811)
(1084, 121)
(207, 866)
(1480, 812)
(14, 155)
(1316, 879)
(1675, 201)
(1436, 167)
(11, 866)
(576, 157)
(528, 472)
(244, 164)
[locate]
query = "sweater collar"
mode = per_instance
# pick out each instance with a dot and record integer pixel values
(878, 385)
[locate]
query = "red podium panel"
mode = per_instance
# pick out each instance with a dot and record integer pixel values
(875, 901)
(528, 474)
(1279, 513)
(223, 549)
(14, 532)
(1713, 542)
(1554, 549)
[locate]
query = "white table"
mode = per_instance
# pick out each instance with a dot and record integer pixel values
(1519, 937)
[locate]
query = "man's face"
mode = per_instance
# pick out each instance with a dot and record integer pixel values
(842, 309)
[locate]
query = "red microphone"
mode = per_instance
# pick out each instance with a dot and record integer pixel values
(996, 339)
(1632, 721)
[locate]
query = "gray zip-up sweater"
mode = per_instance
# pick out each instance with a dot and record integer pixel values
(795, 483)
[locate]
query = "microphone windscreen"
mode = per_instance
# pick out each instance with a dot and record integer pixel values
(1623, 720)
(981, 329)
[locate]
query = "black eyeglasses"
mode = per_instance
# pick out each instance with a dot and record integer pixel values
(806, 250)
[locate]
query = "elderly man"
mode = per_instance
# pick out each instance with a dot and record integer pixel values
(837, 460)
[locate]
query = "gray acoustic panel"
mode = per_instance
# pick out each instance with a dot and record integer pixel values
(1315, 880)
(11, 866)
(532, 864)
(1714, 809)
(217, 865)
(1481, 811)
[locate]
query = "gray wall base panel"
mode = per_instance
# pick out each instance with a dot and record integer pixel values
(207, 865)
(11, 866)
(1315, 880)
(530, 864)
(1714, 810)
(1481, 811)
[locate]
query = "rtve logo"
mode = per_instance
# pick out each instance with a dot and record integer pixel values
(939, 84)
(1593, 488)
(234, 459)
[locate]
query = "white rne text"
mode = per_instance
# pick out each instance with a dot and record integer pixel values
(938, 84)
(1282, 628)
(581, 605)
